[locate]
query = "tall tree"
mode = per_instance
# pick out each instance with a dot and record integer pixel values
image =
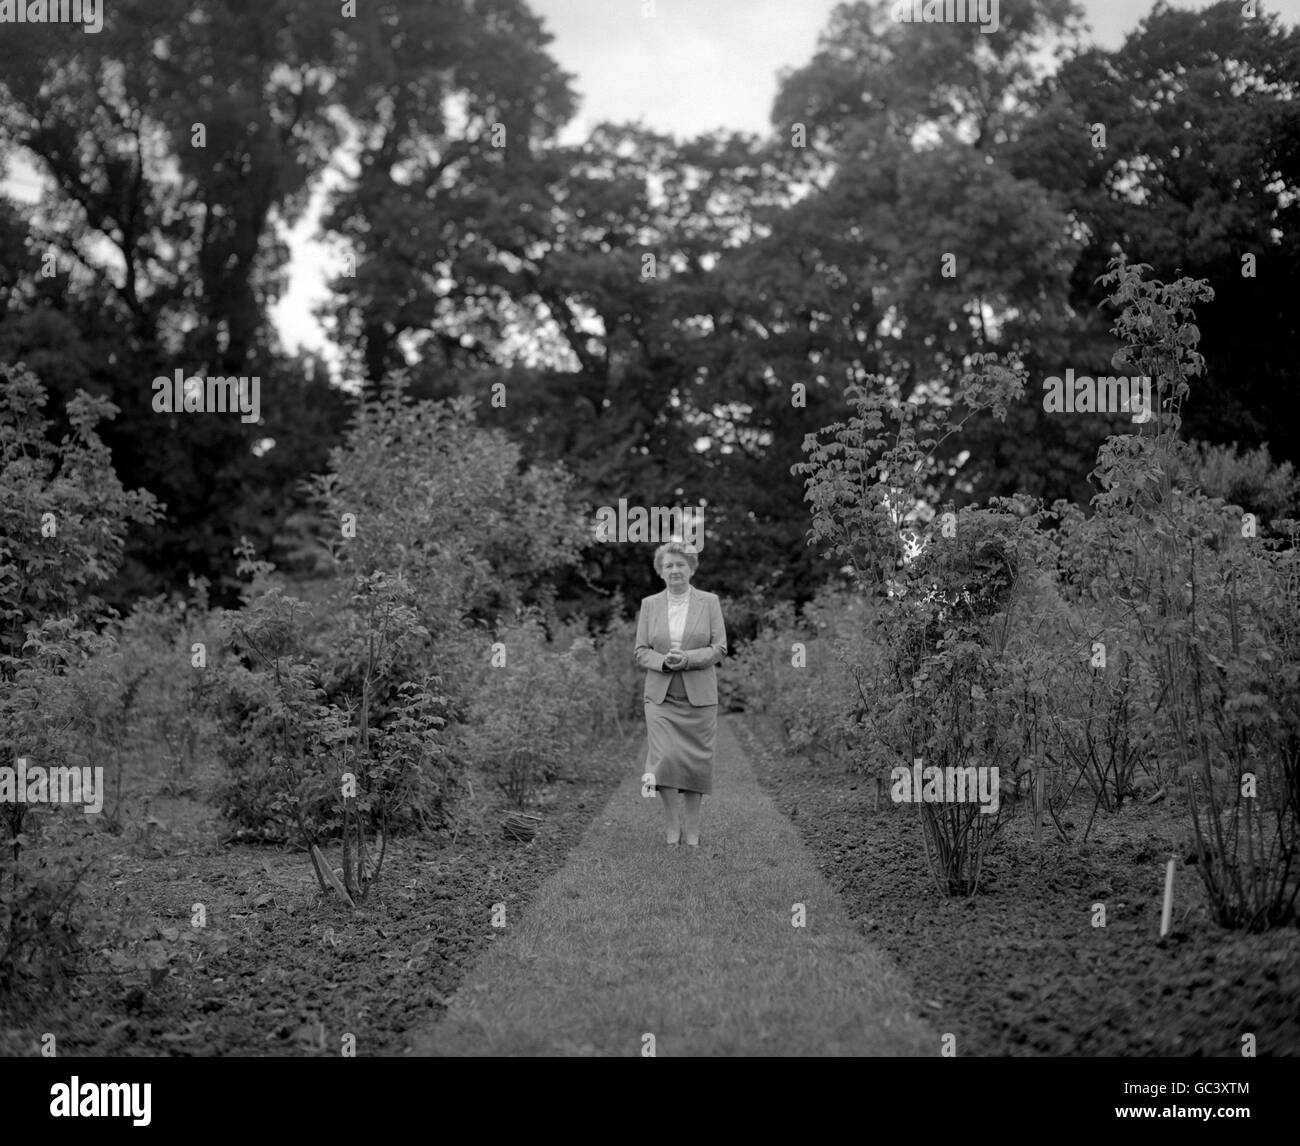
(176, 143)
(447, 102)
(1182, 148)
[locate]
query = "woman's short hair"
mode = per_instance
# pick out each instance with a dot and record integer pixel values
(683, 548)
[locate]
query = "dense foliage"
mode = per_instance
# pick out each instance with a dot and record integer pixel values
(1155, 638)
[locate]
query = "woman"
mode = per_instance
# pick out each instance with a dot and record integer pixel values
(679, 639)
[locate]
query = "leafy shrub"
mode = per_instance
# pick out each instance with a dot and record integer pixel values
(1249, 479)
(269, 700)
(1166, 630)
(288, 745)
(63, 512)
(960, 688)
(1213, 612)
(431, 521)
(535, 703)
(936, 666)
(40, 938)
(421, 490)
(799, 674)
(1108, 739)
(622, 679)
(63, 522)
(168, 643)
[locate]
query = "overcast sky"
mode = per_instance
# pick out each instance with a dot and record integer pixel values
(701, 64)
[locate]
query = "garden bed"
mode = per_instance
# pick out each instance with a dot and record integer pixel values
(1019, 969)
(277, 969)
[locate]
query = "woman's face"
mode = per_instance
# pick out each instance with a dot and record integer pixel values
(676, 572)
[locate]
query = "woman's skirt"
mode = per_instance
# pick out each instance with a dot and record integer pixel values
(681, 740)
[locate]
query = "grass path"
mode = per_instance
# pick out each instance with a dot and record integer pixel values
(632, 938)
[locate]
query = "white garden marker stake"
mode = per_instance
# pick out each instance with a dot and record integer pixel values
(1168, 911)
(1038, 807)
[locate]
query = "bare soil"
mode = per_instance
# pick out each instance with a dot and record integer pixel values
(1019, 969)
(277, 968)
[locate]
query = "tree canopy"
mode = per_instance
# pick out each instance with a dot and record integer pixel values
(665, 319)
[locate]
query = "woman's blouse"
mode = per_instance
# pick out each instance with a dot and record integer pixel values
(677, 611)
